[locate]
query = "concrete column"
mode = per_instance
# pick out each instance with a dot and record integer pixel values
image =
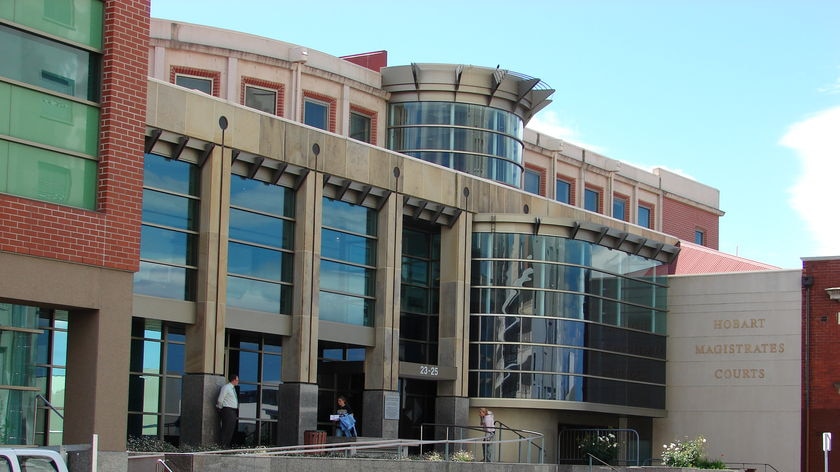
(98, 345)
(456, 244)
(382, 361)
(380, 426)
(199, 419)
(452, 410)
(297, 412)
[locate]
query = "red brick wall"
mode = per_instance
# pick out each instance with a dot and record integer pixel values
(681, 220)
(820, 335)
(110, 236)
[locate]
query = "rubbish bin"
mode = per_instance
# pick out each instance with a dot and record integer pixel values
(314, 437)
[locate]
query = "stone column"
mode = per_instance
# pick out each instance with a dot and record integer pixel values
(298, 395)
(98, 350)
(382, 361)
(456, 243)
(199, 418)
(205, 339)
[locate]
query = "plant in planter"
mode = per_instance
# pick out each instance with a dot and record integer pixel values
(602, 446)
(684, 453)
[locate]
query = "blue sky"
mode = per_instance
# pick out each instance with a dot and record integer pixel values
(741, 95)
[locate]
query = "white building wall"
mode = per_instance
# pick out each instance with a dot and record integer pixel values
(733, 369)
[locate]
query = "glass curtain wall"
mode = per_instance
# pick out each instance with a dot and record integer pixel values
(257, 359)
(260, 246)
(479, 140)
(49, 90)
(348, 263)
(50, 374)
(559, 319)
(420, 295)
(156, 371)
(169, 234)
(341, 371)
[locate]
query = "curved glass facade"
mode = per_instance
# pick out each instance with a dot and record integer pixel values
(479, 140)
(560, 319)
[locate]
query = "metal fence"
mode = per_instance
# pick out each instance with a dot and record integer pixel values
(571, 446)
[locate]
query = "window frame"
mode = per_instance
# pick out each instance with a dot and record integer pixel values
(213, 76)
(372, 118)
(276, 87)
(571, 189)
(599, 203)
(328, 102)
(650, 215)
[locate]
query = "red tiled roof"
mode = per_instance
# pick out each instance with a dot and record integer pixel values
(697, 259)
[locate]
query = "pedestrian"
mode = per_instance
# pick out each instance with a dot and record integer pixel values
(488, 426)
(228, 407)
(345, 421)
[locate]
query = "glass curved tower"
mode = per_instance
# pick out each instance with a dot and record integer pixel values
(466, 118)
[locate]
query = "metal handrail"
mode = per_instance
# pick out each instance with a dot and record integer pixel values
(401, 445)
(592, 456)
(47, 404)
(529, 437)
(163, 463)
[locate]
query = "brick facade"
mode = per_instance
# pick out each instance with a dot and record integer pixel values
(681, 220)
(820, 372)
(110, 236)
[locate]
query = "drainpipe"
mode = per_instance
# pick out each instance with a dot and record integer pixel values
(298, 56)
(807, 283)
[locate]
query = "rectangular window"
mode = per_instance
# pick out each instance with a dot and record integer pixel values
(169, 239)
(158, 356)
(202, 84)
(360, 127)
(563, 191)
(619, 208)
(50, 65)
(316, 113)
(700, 237)
(645, 217)
(261, 99)
(533, 181)
(258, 359)
(591, 200)
(260, 248)
(348, 263)
(420, 294)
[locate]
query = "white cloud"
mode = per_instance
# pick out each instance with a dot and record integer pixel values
(548, 122)
(814, 195)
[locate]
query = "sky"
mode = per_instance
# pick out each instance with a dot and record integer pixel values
(739, 95)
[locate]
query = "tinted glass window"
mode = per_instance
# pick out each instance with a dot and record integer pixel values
(195, 83)
(261, 99)
(564, 191)
(316, 114)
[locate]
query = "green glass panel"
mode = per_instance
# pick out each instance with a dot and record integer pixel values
(51, 120)
(5, 105)
(75, 20)
(49, 176)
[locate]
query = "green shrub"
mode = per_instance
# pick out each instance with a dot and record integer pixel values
(602, 446)
(462, 456)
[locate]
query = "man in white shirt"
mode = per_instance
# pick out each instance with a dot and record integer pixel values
(487, 421)
(228, 407)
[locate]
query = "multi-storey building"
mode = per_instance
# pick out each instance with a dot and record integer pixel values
(393, 234)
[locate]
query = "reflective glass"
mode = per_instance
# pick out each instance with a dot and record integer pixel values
(260, 229)
(592, 200)
(163, 245)
(170, 174)
(175, 358)
(259, 262)
(360, 127)
(196, 83)
(348, 217)
(272, 368)
(258, 295)
(160, 280)
(261, 196)
(48, 64)
(345, 309)
(532, 182)
(172, 399)
(527, 293)
(261, 99)
(169, 210)
(315, 114)
(563, 191)
(347, 278)
(348, 247)
(619, 208)
(644, 217)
